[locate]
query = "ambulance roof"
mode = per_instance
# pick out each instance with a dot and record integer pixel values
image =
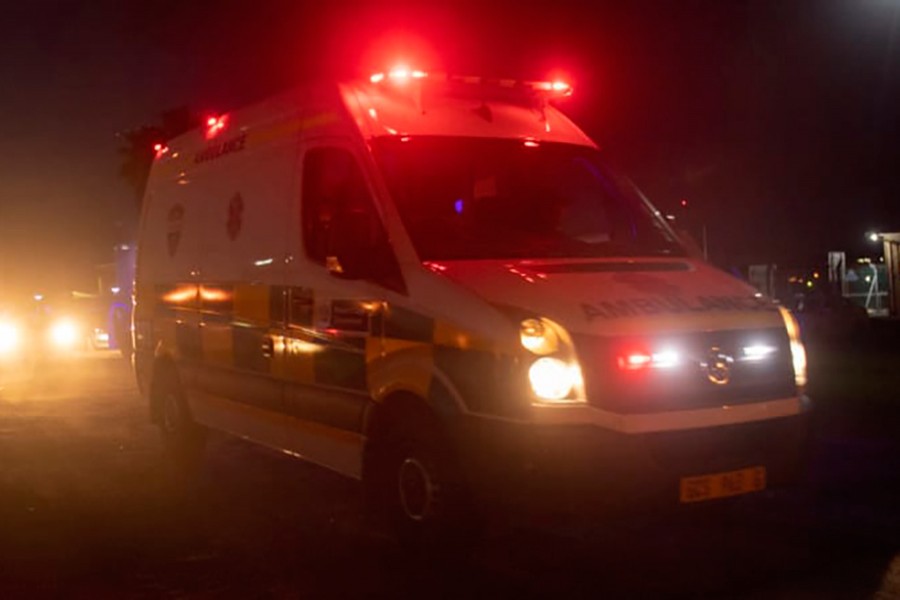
(434, 106)
(466, 107)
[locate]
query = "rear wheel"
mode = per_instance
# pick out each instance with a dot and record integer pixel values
(183, 439)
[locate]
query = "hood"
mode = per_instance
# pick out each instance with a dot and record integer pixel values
(617, 296)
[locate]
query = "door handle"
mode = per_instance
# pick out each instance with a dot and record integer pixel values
(268, 347)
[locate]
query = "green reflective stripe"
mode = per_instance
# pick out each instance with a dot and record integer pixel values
(404, 324)
(339, 367)
(247, 344)
(487, 381)
(300, 306)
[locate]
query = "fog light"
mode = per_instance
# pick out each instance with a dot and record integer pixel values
(798, 351)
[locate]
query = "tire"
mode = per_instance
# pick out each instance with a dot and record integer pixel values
(416, 484)
(183, 439)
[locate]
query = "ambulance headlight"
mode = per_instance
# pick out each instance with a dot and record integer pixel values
(9, 337)
(555, 380)
(64, 334)
(798, 352)
(538, 336)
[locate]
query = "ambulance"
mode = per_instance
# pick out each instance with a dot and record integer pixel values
(438, 286)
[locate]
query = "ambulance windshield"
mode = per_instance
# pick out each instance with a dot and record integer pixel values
(485, 198)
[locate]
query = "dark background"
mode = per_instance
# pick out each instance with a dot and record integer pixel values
(777, 121)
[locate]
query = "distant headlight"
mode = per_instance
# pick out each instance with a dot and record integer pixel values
(64, 334)
(9, 337)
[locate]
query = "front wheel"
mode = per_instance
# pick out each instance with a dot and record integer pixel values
(418, 485)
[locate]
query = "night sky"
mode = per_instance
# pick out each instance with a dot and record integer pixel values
(777, 121)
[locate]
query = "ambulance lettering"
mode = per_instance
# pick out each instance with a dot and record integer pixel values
(214, 151)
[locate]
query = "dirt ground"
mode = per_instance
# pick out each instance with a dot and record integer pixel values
(89, 509)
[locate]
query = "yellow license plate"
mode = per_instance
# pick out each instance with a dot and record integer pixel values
(722, 485)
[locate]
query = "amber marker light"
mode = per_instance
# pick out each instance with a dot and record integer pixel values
(798, 351)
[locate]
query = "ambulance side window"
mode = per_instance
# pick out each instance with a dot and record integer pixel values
(339, 219)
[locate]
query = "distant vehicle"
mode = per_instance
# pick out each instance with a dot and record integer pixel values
(438, 286)
(32, 333)
(824, 315)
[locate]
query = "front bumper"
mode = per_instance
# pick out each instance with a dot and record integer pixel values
(589, 470)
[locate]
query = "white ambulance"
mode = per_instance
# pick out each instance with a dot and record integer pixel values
(438, 286)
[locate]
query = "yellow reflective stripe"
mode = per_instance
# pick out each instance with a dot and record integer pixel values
(251, 302)
(299, 359)
(373, 349)
(450, 335)
(410, 363)
(217, 345)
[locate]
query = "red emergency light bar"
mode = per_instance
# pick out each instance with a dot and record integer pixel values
(559, 87)
(398, 75)
(550, 89)
(214, 125)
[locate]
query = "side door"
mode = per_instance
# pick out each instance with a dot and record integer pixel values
(242, 295)
(334, 317)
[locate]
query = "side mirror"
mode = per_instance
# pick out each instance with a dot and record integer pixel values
(358, 254)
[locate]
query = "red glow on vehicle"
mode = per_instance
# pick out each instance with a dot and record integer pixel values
(531, 144)
(635, 361)
(527, 276)
(659, 359)
(214, 125)
(160, 149)
(433, 266)
(683, 202)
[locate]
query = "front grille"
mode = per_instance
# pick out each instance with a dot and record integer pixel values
(688, 384)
